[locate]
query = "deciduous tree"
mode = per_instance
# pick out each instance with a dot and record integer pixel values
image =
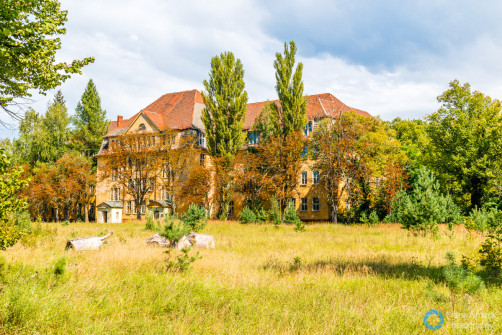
(465, 139)
(28, 45)
(225, 102)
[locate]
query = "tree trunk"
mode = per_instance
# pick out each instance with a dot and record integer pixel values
(86, 212)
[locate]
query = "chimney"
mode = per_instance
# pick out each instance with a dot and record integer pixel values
(120, 118)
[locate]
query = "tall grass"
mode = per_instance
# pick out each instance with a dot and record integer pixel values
(258, 280)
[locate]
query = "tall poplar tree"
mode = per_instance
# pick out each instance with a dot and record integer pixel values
(225, 99)
(89, 121)
(281, 126)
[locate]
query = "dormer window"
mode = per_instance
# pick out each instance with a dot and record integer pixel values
(141, 127)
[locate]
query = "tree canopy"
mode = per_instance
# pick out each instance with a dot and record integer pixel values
(28, 45)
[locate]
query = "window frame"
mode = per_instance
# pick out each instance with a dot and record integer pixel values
(316, 203)
(304, 205)
(302, 181)
(315, 177)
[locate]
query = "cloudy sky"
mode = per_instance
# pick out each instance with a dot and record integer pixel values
(390, 58)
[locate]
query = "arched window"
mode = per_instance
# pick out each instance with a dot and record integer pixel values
(141, 127)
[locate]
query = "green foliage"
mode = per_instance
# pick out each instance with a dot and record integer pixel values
(491, 252)
(28, 45)
(174, 230)
(483, 219)
(150, 222)
(465, 137)
(460, 280)
(247, 216)
(60, 266)
(300, 226)
(274, 213)
(225, 106)
(89, 121)
(290, 214)
(424, 206)
(373, 218)
(195, 218)
(182, 262)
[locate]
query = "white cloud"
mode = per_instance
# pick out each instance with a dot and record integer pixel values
(149, 48)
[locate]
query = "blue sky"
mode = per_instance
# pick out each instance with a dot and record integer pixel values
(390, 58)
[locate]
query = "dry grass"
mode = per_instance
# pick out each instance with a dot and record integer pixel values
(330, 279)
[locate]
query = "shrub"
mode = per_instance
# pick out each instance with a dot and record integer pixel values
(150, 223)
(183, 261)
(247, 216)
(60, 267)
(459, 279)
(14, 228)
(195, 218)
(491, 252)
(483, 219)
(261, 215)
(300, 226)
(424, 206)
(373, 218)
(274, 213)
(174, 230)
(290, 214)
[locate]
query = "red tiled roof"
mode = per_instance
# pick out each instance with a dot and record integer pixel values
(176, 111)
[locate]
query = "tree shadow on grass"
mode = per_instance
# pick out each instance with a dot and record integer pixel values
(382, 268)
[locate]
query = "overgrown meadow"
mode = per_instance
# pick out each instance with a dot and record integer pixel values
(331, 279)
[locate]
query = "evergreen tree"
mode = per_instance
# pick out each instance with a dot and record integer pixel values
(89, 121)
(54, 130)
(225, 99)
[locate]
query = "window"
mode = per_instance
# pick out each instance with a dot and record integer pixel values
(164, 194)
(115, 194)
(167, 172)
(315, 178)
(304, 178)
(254, 137)
(141, 127)
(202, 139)
(308, 129)
(133, 205)
(292, 201)
(202, 159)
(304, 152)
(143, 209)
(152, 184)
(315, 204)
(129, 207)
(304, 205)
(231, 208)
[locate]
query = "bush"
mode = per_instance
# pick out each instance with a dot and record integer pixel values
(182, 262)
(373, 218)
(174, 230)
(248, 216)
(424, 206)
(60, 266)
(274, 213)
(150, 223)
(483, 219)
(459, 279)
(290, 214)
(195, 218)
(491, 252)
(14, 228)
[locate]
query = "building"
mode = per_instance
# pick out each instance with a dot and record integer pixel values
(181, 113)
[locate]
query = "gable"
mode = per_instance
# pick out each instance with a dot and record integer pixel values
(142, 124)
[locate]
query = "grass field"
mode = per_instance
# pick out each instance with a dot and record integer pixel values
(332, 279)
